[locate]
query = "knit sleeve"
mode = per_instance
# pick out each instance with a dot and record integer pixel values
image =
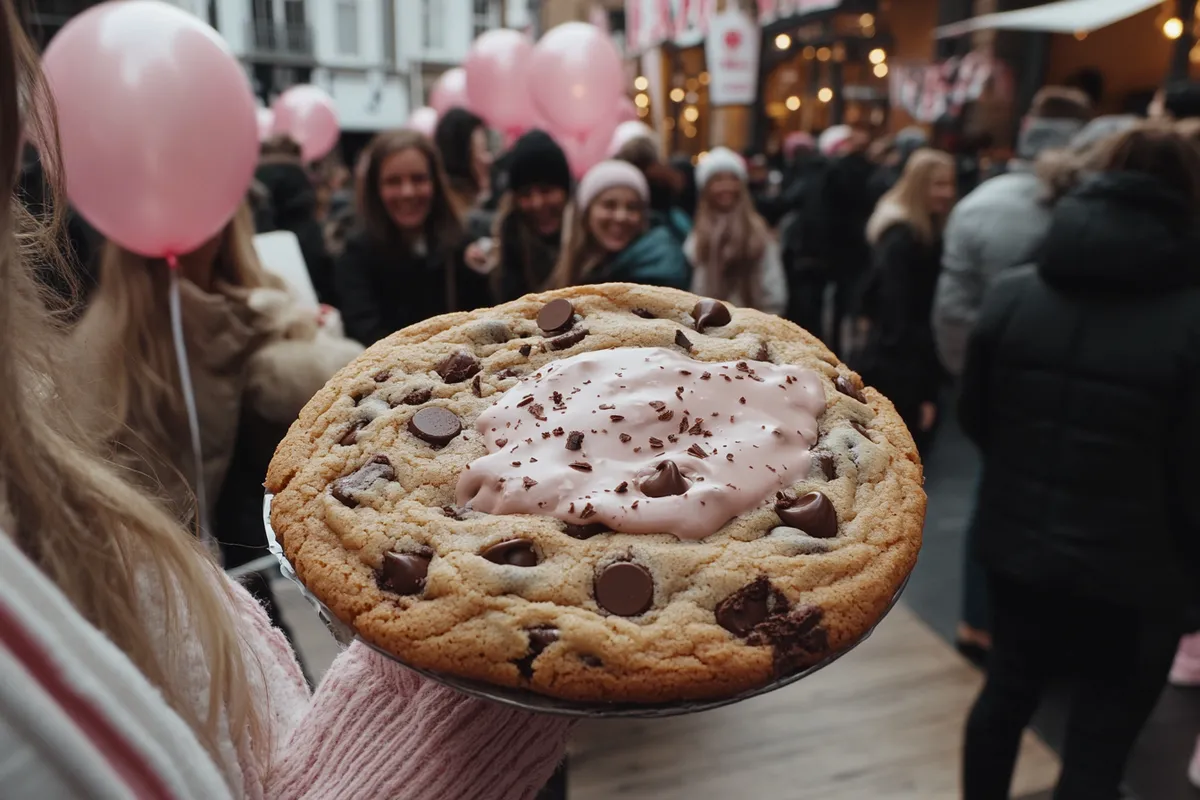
(375, 729)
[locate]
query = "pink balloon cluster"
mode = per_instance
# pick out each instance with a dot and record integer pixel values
(308, 115)
(569, 84)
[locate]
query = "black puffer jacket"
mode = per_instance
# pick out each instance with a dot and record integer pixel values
(1082, 389)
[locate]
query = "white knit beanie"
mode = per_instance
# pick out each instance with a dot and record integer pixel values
(720, 160)
(609, 175)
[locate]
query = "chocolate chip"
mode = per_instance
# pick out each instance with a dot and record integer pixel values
(417, 396)
(557, 315)
(683, 341)
(624, 588)
(351, 436)
(515, 552)
(381, 376)
(797, 638)
(567, 339)
(591, 661)
(585, 531)
(827, 464)
(643, 313)
(477, 387)
(539, 640)
(843, 385)
(743, 610)
(665, 482)
(378, 468)
(458, 367)
(710, 314)
(525, 350)
(404, 573)
(812, 513)
(575, 440)
(435, 425)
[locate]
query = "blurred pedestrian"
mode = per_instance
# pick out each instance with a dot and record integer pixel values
(892, 162)
(804, 232)
(1178, 100)
(905, 232)
(529, 225)
(1077, 369)
(404, 263)
(666, 184)
(133, 666)
(292, 204)
(462, 140)
(609, 236)
(735, 257)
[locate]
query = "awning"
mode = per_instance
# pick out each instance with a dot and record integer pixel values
(1064, 16)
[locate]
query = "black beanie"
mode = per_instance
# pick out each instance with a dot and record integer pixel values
(537, 159)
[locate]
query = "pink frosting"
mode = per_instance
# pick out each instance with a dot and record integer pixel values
(753, 423)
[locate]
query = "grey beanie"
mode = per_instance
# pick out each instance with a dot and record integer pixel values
(1046, 134)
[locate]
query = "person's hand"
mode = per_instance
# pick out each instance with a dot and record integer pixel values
(478, 257)
(929, 412)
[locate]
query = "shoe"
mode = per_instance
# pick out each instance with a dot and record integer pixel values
(1194, 767)
(1185, 672)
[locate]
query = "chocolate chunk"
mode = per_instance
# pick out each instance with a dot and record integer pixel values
(710, 314)
(575, 440)
(382, 376)
(747, 607)
(539, 640)
(525, 350)
(585, 531)
(459, 367)
(516, 552)
(843, 385)
(351, 436)
(797, 638)
(812, 513)
(435, 425)
(591, 661)
(683, 341)
(452, 512)
(764, 353)
(643, 313)
(417, 396)
(567, 339)
(555, 316)
(665, 482)
(378, 468)
(508, 372)
(827, 464)
(404, 573)
(624, 588)
(477, 387)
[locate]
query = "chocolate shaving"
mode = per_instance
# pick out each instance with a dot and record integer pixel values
(575, 440)
(607, 407)
(683, 341)
(655, 442)
(679, 392)
(588, 511)
(729, 456)
(557, 398)
(526, 400)
(683, 424)
(697, 427)
(657, 405)
(616, 418)
(625, 437)
(742, 400)
(666, 415)
(672, 438)
(529, 483)
(622, 488)
(558, 432)
(742, 366)
(582, 466)
(697, 451)
(538, 411)
(706, 376)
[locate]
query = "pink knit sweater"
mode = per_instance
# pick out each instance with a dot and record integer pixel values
(376, 730)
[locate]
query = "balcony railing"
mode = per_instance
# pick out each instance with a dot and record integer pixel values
(283, 40)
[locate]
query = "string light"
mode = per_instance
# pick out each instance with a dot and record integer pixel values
(641, 101)
(824, 54)
(1173, 28)
(877, 56)
(677, 95)
(691, 114)
(793, 103)
(783, 41)
(866, 20)
(641, 83)
(881, 70)
(825, 95)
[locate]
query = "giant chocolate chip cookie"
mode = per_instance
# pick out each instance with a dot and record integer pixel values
(606, 493)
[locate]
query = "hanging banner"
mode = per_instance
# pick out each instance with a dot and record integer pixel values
(930, 92)
(731, 51)
(772, 10)
(650, 23)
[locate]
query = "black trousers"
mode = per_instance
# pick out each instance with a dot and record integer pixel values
(1115, 661)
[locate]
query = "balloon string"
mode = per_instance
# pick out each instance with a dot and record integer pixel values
(189, 400)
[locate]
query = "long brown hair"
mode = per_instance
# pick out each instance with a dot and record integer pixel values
(730, 246)
(109, 549)
(1158, 149)
(515, 239)
(443, 228)
(581, 253)
(908, 201)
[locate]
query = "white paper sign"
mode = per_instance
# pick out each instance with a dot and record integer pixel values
(280, 254)
(732, 54)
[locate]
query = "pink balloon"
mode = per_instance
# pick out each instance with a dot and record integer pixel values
(157, 124)
(497, 78)
(585, 152)
(424, 120)
(266, 123)
(626, 110)
(307, 114)
(626, 132)
(450, 91)
(578, 77)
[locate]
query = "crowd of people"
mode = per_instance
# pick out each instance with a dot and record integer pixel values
(1057, 298)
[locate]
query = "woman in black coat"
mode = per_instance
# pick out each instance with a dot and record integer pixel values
(405, 263)
(1082, 390)
(905, 232)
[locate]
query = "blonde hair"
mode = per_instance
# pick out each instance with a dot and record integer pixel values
(128, 313)
(908, 201)
(730, 246)
(100, 541)
(582, 254)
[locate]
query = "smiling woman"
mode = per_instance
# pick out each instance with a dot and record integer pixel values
(405, 263)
